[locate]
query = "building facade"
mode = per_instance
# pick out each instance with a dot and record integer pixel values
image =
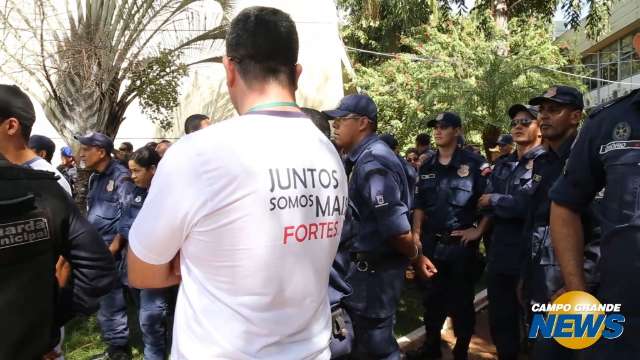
(610, 58)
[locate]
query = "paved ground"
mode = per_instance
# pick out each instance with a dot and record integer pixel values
(481, 347)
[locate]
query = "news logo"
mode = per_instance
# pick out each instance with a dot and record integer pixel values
(576, 320)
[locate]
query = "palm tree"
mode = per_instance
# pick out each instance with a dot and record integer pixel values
(86, 61)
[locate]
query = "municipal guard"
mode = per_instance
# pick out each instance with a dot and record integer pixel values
(447, 193)
(108, 188)
(381, 251)
(605, 153)
(38, 224)
(560, 111)
(505, 205)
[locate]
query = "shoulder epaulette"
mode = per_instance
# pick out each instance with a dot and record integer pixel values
(609, 103)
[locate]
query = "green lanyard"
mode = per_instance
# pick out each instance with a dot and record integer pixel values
(272, 105)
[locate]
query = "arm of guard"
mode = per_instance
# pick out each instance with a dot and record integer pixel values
(93, 267)
(383, 193)
(510, 206)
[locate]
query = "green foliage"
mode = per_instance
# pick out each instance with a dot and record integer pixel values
(457, 69)
(157, 80)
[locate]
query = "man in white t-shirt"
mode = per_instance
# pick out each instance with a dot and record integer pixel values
(254, 233)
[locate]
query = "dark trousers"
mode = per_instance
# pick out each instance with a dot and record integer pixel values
(550, 349)
(374, 338)
(450, 293)
(504, 314)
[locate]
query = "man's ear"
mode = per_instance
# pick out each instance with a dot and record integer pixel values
(458, 132)
(298, 73)
(576, 116)
(230, 70)
(13, 126)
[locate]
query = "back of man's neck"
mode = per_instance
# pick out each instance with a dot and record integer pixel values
(272, 94)
(20, 155)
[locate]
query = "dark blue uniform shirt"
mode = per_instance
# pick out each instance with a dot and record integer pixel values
(607, 152)
(448, 194)
(509, 184)
(107, 191)
(130, 208)
(379, 192)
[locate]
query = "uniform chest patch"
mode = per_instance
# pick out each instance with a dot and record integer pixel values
(621, 132)
(111, 185)
(620, 145)
(537, 177)
(23, 232)
(463, 170)
(428, 176)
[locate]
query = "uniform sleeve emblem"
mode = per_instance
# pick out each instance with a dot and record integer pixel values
(463, 170)
(111, 185)
(138, 199)
(622, 131)
(380, 201)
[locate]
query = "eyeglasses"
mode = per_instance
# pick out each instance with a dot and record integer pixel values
(524, 122)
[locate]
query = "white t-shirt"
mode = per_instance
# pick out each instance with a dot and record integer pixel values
(255, 205)
(39, 163)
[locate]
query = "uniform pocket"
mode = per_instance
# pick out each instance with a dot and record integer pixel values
(461, 192)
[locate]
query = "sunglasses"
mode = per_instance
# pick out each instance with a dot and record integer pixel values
(524, 122)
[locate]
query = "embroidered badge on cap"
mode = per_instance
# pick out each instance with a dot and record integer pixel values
(551, 92)
(111, 185)
(440, 117)
(463, 170)
(622, 131)
(380, 201)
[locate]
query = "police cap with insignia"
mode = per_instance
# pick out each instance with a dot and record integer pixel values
(15, 103)
(96, 139)
(561, 94)
(446, 119)
(358, 104)
(516, 108)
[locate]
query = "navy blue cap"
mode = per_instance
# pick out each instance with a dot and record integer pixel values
(561, 94)
(446, 119)
(66, 151)
(516, 108)
(96, 139)
(355, 104)
(40, 142)
(505, 139)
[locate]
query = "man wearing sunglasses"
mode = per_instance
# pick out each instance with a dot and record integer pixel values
(379, 190)
(447, 193)
(560, 114)
(505, 204)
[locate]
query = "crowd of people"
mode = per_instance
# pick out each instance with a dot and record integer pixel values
(297, 247)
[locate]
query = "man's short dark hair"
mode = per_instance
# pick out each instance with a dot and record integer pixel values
(263, 44)
(15, 103)
(411, 150)
(128, 147)
(43, 143)
(423, 139)
(193, 123)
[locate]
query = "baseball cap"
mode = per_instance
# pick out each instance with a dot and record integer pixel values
(560, 94)
(66, 152)
(16, 103)
(516, 108)
(447, 119)
(96, 139)
(355, 104)
(505, 139)
(40, 142)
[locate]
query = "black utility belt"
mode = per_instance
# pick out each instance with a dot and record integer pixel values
(370, 262)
